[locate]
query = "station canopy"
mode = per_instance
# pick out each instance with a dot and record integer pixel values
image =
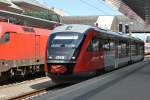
(134, 9)
(30, 5)
(5, 3)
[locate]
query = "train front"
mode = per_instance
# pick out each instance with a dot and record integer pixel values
(62, 52)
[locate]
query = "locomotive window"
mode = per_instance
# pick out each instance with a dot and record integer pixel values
(5, 37)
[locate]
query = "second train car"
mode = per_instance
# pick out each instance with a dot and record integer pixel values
(75, 51)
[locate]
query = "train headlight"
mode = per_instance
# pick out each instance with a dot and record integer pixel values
(50, 57)
(73, 58)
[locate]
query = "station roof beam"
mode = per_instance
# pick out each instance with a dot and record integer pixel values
(133, 8)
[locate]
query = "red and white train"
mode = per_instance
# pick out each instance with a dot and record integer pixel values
(22, 49)
(81, 50)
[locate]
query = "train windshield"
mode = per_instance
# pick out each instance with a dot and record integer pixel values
(64, 45)
(66, 40)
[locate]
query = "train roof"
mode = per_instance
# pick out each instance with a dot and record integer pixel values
(9, 27)
(72, 28)
(80, 28)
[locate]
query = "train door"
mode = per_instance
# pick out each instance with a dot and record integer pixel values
(109, 54)
(37, 48)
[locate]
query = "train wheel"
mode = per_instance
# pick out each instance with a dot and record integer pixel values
(11, 73)
(23, 73)
(4, 76)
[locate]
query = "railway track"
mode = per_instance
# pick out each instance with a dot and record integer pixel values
(9, 84)
(29, 95)
(20, 79)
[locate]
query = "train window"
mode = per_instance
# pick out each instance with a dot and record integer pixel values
(127, 49)
(94, 45)
(112, 45)
(122, 49)
(28, 29)
(141, 49)
(148, 39)
(119, 49)
(100, 43)
(133, 49)
(90, 47)
(106, 45)
(5, 37)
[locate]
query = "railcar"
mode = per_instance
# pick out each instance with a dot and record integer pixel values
(22, 49)
(78, 51)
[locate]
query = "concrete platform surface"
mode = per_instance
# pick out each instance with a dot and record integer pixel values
(128, 83)
(13, 90)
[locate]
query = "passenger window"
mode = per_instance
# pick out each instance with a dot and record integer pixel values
(94, 45)
(122, 49)
(133, 49)
(112, 45)
(100, 44)
(90, 47)
(106, 45)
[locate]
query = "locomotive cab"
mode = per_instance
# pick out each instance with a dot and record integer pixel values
(62, 51)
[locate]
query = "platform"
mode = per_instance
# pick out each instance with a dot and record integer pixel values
(128, 83)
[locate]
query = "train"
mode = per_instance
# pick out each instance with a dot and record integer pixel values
(22, 50)
(75, 52)
(146, 38)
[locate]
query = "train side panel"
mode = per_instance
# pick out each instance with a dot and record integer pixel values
(89, 57)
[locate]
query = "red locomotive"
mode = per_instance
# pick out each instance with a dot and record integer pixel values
(81, 50)
(22, 49)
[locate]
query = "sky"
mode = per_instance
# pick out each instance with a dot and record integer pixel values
(82, 7)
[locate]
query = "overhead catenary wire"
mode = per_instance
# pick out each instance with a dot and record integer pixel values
(93, 6)
(104, 2)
